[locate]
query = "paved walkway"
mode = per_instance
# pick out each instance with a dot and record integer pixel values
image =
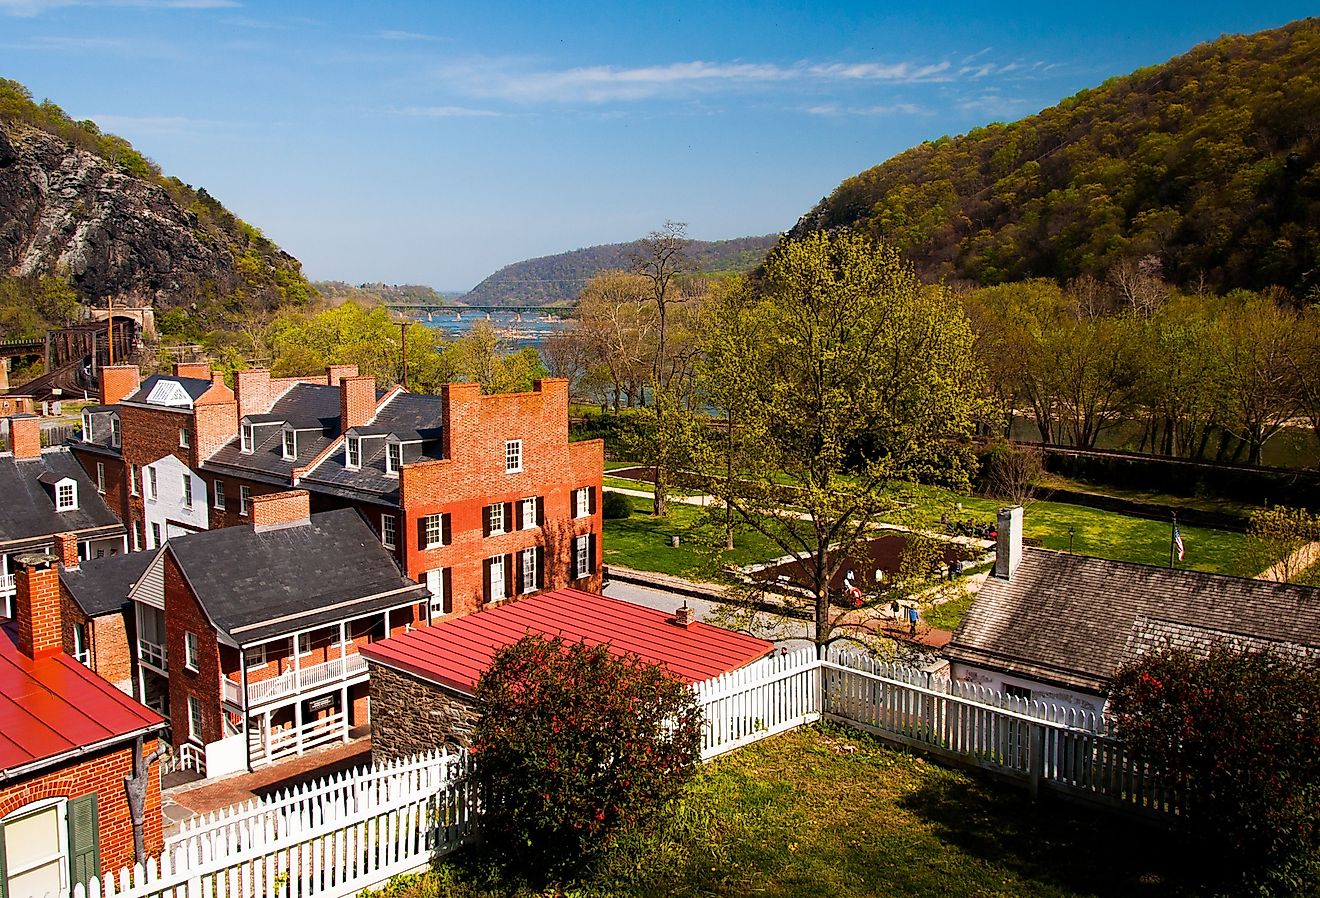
(209, 795)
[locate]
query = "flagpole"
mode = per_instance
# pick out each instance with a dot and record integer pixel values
(1173, 529)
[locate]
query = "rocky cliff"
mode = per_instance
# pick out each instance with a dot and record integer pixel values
(78, 204)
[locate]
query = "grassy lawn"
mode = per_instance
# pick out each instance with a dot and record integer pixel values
(832, 812)
(642, 542)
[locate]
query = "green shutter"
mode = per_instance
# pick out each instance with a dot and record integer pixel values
(84, 839)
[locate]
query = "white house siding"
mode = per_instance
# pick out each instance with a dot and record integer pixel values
(168, 506)
(996, 680)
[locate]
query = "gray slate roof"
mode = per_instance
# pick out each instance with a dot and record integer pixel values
(257, 585)
(27, 509)
(303, 403)
(195, 387)
(101, 586)
(1073, 621)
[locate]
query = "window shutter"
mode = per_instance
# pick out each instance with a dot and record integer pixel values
(449, 593)
(446, 534)
(517, 516)
(485, 520)
(508, 517)
(591, 555)
(485, 580)
(4, 866)
(540, 567)
(509, 582)
(591, 492)
(540, 511)
(84, 840)
(421, 532)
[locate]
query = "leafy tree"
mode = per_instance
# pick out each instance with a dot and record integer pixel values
(846, 374)
(577, 745)
(1238, 734)
(1012, 472)
(1273, 537)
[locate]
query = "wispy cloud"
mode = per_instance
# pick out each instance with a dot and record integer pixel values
(835, 110)
(392, 35)
(601, 84)
(155, 124)
(445, 112)
(37, 7)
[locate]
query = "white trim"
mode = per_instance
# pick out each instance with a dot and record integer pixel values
(510, 445)
(60, 805)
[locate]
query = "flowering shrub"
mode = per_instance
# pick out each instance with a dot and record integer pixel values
(576, 746)
(1238, 733)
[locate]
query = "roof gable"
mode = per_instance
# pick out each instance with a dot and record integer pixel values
(168, 392)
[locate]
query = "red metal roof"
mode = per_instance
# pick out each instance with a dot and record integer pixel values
(456, 652)
(55, 706)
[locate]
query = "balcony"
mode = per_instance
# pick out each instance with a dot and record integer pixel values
(293, 682)
(153, 653)
(6, 584)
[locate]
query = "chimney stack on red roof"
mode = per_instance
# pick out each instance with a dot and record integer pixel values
(25, 436)
(684, 616)
(357, 401)
(274, 511)
(118, 381)
(37, 605)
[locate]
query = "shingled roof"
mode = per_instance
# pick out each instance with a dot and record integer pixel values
(28, 509)
(100, 586)
(1072, 621)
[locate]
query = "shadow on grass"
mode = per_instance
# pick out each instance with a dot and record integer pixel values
(1083, 850)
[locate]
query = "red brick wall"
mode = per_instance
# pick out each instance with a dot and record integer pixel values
(116, 481)
(37, 607)
(102, 773)
(230, 517)
(215, 423)
(111, 655)
(357, 401)
(118, 381)
(473, 476)
(273, 509)
(183, 614)
(199, 370)
(25, 436)
(15, 405)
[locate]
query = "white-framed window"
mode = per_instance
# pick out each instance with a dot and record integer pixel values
(529, 513)
(497, 578)
(66, 496)
(137, 536)
(256, 656)
(433, 530)
(495, 519)
(115, 434)
(290, 445)
(192, 651)
(152, 491)
(304, 644)
(133, 480)
(81, 645)
(244, 497)
(187, 491)
(185, 438)
(582, 556)
(512, 456)
(194, 719)
(100, 477)
(388, 534)
(582, 502)
(218, 495)
(155, 536)
(393, 457)
(87, 427)
(36, 850)
(246, 441)
(531, 574)
(440, 600)
(353, 453)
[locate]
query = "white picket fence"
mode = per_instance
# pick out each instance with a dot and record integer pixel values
(335, 837)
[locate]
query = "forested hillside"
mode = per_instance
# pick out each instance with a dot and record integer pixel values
(550, 280)
(338, 292)
(84, 209)
(1206, 165)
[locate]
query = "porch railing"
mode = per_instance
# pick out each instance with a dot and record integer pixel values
(292, 682)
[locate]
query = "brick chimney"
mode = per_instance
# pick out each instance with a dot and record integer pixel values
(37, 605)
(357, 402)
(199, 370)
(336, 373)
(1008, 542)
(684, 616)
(275, 511)
(118, 381)
(252, 387)
(25, 436)
(67, 549)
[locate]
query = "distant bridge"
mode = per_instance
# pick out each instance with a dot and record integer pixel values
(459, 311)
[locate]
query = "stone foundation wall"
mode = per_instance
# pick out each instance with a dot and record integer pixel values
(410, 715)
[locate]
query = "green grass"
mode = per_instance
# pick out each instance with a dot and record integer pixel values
(832, 812)
(642, 542)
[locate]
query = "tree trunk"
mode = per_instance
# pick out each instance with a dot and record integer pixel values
(135, 791)
(728, 482)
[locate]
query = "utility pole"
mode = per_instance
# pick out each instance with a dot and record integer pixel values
(403, 342)
(109, 329)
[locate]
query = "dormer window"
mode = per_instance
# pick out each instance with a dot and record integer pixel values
(87, 427)
(393, 457)
(353, 453)
(290, 445)
(66, 496)
(246, 439)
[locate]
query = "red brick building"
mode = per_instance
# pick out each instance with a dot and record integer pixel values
(480, 497)
(69, 742)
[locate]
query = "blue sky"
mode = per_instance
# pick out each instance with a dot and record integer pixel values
(434, 142)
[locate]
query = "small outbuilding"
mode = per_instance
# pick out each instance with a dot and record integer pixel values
(423, 682)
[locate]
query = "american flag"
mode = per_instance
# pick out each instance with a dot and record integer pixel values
(1177, 541)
